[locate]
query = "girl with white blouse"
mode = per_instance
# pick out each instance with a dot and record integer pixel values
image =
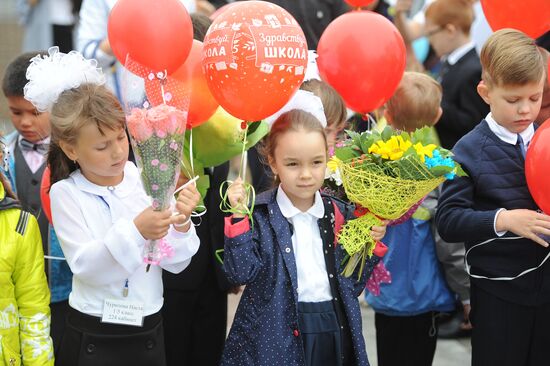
(103, 218)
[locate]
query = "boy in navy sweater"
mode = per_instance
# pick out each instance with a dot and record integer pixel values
(492, 211)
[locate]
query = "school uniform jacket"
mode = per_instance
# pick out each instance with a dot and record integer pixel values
(24, 295)
(462, 106)
(58, 273)
(265, 330)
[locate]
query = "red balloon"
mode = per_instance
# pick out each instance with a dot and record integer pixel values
(188, 80)
(45, 195)
(537, 162)
(359, 3)
(254, 59)
(362, 56)
(221, 9)
(157, 35)
(532, 17)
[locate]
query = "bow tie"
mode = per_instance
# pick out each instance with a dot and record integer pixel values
(26, 145)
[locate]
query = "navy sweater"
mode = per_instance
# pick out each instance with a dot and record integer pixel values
(466, 212)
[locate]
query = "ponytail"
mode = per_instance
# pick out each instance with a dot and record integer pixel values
(60, 165)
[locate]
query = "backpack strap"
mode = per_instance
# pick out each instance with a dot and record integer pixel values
(22, 223)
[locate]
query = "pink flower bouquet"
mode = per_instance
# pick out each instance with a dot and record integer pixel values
(156, 106)
(157, 136)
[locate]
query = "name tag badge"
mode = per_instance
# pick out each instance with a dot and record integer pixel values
(122, 312)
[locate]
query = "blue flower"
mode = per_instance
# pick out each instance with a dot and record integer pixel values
(438, 160)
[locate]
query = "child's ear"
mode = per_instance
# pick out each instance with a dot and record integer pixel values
(271, 163)
(483, 91)
(451, 28)
(388, 117)
(438, 117)
(69, 150)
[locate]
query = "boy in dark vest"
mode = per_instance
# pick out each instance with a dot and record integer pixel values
(492, 211)
(28, 146)
(448, 24)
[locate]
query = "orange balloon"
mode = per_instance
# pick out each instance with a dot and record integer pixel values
(532, 17)
(45, 195)
(156, 34)
(254, 59)
(202, 105)
(186, 89)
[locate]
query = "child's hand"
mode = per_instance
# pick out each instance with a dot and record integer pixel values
(526, 223)
(188, 198)
(153, 225)
(236, 194)
(378, 232)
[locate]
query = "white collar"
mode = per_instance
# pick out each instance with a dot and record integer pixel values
(123, 189)
(43, 141)
(506, 135)
(453, 57)
(289, 210)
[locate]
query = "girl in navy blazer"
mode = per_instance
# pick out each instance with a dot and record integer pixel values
(297, 308)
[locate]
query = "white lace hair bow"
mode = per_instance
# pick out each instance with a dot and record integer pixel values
(51, 75)
(305, 101)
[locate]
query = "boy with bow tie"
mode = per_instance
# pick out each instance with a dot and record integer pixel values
(28, 147)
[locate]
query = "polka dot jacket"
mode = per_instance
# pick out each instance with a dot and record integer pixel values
(265, 330)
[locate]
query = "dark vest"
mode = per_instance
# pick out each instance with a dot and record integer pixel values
(28, 192)
(500, 182)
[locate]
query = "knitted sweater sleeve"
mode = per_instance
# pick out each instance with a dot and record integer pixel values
(457, 219)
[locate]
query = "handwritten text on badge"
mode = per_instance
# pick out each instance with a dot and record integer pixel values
(122, 312)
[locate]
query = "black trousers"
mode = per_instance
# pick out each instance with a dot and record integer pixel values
(59, 312)
(406, 340)
(88, 342)
(195, 325)
(508, 334)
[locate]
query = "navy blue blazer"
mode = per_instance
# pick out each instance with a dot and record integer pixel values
(265, 330)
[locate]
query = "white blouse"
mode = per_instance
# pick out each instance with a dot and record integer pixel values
(103, 247)
(313, 284)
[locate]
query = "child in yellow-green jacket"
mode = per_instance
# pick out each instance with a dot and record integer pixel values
(24, 294)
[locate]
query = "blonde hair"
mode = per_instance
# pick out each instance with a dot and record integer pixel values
(509, 57)
(415, 103)
(75, 108)
(459, 13)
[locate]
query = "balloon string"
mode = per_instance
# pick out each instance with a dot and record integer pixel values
(162, 78)
(189, 173)
(371, 122)
(247, 208)
(191, 158)
(242, 167)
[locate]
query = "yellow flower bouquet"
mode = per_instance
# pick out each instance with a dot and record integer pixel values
(385, 174)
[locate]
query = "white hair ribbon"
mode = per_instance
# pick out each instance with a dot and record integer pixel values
(305, 101)
(51, 75)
